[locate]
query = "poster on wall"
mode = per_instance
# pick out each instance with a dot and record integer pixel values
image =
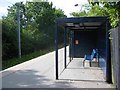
(76, 42)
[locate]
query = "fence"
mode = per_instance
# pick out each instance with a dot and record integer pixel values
(115, 56)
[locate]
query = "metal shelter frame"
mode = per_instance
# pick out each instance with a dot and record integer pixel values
(83, 23)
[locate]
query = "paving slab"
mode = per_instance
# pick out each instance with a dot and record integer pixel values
(40, 73)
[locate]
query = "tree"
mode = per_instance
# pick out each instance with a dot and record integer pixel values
(109, 9)
(9, 38)
(37, 28)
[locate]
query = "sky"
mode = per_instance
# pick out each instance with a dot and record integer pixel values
(66, 5)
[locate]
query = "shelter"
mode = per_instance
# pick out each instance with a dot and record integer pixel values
(86, 33)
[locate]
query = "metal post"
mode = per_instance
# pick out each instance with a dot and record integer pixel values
(108, 61)
(71, 53)
(18, 22)
(71, 40)
(65, 48)
(56, 54)
(70, 45)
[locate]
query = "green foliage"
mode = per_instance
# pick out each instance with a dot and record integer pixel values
(113, 9)
(110, 9)
(37, 21)
(15, 61)
(90, 10)
(9, 38)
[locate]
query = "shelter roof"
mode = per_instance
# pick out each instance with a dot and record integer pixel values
(82, 23)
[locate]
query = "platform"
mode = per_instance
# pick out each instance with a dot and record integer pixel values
(40, 73)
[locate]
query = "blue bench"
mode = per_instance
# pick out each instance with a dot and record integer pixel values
(90, 57)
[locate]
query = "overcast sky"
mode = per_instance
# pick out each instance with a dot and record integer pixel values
(66, 5)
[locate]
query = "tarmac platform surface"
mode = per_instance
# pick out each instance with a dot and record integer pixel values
(40, 73)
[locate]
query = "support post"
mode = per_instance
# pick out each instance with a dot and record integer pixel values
(18, 22)
(70, 46)
(56, 53)
(65, 48)
(108, 62)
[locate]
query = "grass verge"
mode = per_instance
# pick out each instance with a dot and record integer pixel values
(11, 62)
